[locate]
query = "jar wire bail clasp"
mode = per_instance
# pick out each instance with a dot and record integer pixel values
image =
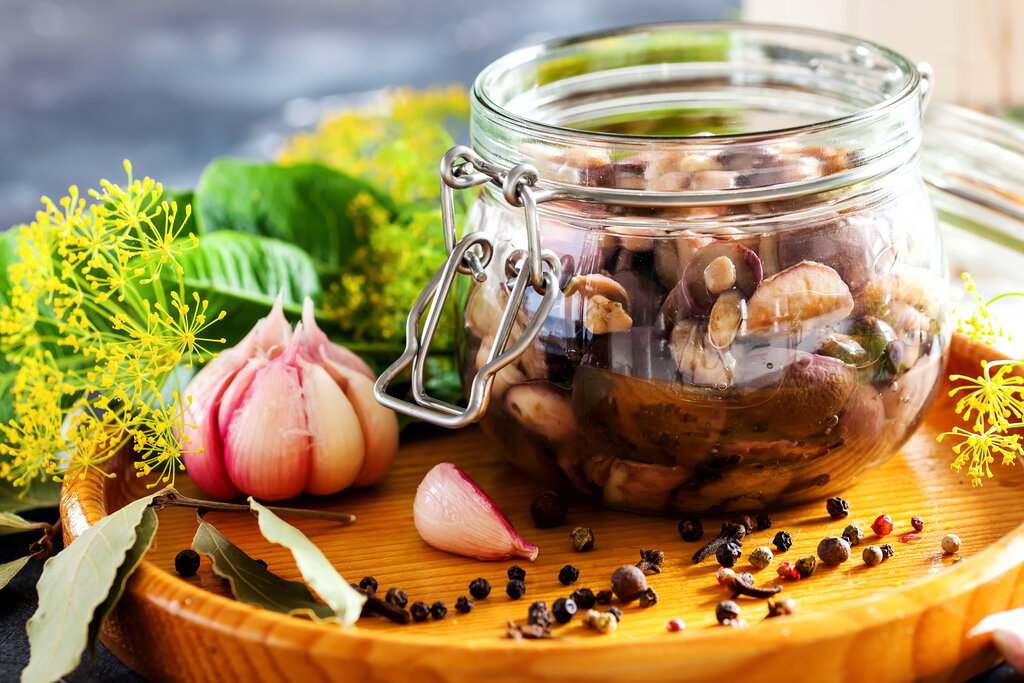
(463, 169)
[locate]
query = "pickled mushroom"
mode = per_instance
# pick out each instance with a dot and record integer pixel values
(797, 299)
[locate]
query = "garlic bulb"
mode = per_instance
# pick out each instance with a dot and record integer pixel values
(284, 413)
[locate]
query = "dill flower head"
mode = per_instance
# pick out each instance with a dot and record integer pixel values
(981, 325)
(97, 321)
(978, 450)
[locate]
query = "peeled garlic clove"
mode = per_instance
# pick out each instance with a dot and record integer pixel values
(315, 342)
(336, 437)
(266, 440)
(379, 424)
(451, 513)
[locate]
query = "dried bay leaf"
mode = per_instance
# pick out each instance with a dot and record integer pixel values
(316, 569)
(11, 523)
(251, 582)
(73, 585)
(8, 570)
(143, 540)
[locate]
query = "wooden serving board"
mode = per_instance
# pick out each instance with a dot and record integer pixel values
(906, 619)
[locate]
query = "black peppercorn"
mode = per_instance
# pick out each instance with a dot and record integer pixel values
(628, 583)
(837, 507)
(262, 563)
(615, 612)
(539, 614)
(368, 584)
(887, 551)
(186, 563)
(584, 598)
(691, 529)
(548, 510)
(564, 610)
(480, 588)
(515, 589)
(420, 610)
(463, 605)
(516, 573)
(648, 598)
(605, 596)
(397, 596)
(582, 539)
(438, 610)
(568, 575)
(764, 522)
(782, 541)
(727, 610)
(728, 553)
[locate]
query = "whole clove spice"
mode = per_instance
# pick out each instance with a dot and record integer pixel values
(582, 539)
(584, 598)
(743, 584)
(780, 608)
(731, 533)
(539, 614)
(648, 598)
(516, 573)
(691, 529)
(650, 561)
(388, 610)
(463, 605)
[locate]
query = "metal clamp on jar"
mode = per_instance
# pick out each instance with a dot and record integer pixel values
(706, 274)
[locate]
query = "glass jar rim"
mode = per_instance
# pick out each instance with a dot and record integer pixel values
(911, 86)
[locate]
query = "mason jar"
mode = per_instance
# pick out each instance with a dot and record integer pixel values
(704, 272)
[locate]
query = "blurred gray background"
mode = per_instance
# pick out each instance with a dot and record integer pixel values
(172, 84)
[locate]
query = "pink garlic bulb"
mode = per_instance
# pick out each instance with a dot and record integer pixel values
(285, 413)
(453, 514)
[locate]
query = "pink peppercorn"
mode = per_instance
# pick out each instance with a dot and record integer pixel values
(675, 625)
(787, 570)
(882, 525)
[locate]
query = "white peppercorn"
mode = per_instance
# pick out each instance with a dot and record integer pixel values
(950, 544)
(761, 557)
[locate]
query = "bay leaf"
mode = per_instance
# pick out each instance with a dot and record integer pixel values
(11, 523)
(8, 570)
(144, 534)
(41, 494)
(74, 583)
(251, 582)
(316, 569)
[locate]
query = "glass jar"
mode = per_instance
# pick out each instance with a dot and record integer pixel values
(721, 277)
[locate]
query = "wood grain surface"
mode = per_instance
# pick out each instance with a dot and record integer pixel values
(903, 620)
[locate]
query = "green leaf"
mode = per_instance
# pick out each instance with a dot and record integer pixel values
(251, 582)
(144, 534)
(74, 583)
(8, 570)
(316, 569)
(8, 245)
(242, 274)
(41, 494)
(11, 523)
(305, 204)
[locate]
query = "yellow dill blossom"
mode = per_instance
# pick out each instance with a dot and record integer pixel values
(990, 398)
(978, 450)
(98, 320)
(395, 143)
(982, 325)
